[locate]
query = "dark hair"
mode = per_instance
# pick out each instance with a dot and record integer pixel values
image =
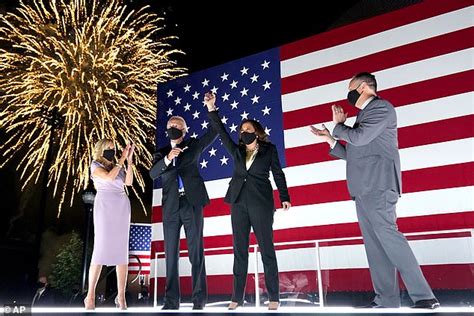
(262, 136)
(368, 78)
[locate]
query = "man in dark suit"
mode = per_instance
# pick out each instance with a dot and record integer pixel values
(184, 196)
(375, 183)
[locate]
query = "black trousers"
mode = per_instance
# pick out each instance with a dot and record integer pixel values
(192, 219)
(245, 214)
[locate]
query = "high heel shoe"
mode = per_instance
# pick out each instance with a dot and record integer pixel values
(88, 304)
(233, 306)
(120, 306)
(273, 305)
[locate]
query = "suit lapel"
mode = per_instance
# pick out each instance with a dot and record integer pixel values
(261, 151)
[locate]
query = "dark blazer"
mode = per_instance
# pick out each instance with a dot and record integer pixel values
(373, 161)
(257, 177)
(187, 168)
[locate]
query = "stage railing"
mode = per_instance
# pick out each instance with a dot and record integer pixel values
(317, 247)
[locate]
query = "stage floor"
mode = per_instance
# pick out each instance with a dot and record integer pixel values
(323, 311)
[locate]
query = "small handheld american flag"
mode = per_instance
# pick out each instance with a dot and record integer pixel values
(139, 249)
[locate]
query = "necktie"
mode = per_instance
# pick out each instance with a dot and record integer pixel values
(180, 181)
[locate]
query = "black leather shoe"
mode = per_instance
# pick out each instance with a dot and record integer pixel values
(198, 306)
(429, 304)
(170, 307)
(371, 305)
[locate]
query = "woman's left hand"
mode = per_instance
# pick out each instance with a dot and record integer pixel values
(130, 154)
(286, 205)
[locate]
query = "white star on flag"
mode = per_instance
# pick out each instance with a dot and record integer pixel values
(169, 112)
(187, 88)
(244, 70)
(267, 130)
(266, 64)
(194, 135)
(245, 115)
(203, 163)
(204, 124)
(266, 85)
(224, 160)
(205, 83)
(196, 115)
(266, 110)
(224, 120)
(254, 78)
(225, 97)
(187, 107)
(233, 84)
(169, 93)
(212, 152)
(255, 99)
(234, 104)
(214, 90)
(196, 95)
(224, 76)
(233, 128)
(244, 91)
(177, 101)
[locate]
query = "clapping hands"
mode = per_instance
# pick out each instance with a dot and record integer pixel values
(323, 133)
(338, 115)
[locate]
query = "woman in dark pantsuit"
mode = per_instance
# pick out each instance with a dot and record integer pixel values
(250, 194)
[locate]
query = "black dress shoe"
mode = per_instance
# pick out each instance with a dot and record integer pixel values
(198, 306)
(170, 307)
(371, 305)
(429, 304)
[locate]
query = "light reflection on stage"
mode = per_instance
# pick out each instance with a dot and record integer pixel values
(187, 309)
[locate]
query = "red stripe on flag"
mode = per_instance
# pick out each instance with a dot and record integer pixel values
(427, 133)
(157, 214)
(432, 47)
(427, 236)
(441, 177)
(136, 264)
(402, 95)
(412, 224)
(384, 22)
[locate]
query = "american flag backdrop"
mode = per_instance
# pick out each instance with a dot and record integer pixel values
(139, 249)
(422, 57)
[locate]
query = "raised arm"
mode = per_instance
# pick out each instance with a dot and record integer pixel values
(217, 125)
(102, 173)
(205, 140)
(337, 150)
(374, 123)
(129, 170)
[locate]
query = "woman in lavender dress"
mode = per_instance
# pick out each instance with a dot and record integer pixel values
(111, 217)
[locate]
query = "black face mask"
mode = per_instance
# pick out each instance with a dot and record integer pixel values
(248, 138)
(40, 284)
(109, 154)
(174, 133)
(353, 96)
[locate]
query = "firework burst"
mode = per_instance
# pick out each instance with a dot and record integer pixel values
(94, 62)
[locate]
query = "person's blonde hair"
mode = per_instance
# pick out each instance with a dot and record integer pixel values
(98, 150)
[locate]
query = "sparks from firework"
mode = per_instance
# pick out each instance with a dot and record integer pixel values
(94, 62)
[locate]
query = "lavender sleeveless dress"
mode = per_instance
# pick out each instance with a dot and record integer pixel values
(111, 220)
